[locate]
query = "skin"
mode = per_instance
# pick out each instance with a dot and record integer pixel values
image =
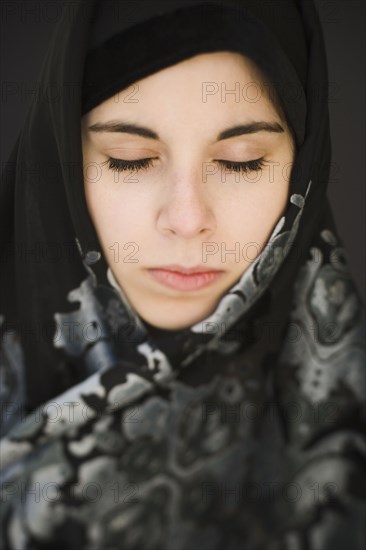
(185, 198)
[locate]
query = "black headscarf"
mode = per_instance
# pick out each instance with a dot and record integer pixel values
(271, 406)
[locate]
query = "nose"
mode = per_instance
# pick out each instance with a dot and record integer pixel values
(186, 211)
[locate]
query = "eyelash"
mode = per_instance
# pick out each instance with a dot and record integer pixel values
(119, 165)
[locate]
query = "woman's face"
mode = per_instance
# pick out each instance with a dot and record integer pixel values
(186, 206)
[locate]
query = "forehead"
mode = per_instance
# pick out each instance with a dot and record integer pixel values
(206, 87)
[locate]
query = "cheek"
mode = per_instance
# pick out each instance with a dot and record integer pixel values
(118, 217)
(253, 216)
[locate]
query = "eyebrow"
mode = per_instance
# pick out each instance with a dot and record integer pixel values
(242, 129)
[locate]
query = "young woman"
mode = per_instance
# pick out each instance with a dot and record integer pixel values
(182, 344)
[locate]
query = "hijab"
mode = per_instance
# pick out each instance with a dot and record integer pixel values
(244, 430)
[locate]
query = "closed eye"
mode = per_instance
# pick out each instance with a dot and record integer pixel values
(248, 166)
(120, 165)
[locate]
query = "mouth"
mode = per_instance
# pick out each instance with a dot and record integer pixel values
(186, 279)
(187, 270)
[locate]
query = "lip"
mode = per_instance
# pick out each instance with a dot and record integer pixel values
(187, 270)
(185, 281)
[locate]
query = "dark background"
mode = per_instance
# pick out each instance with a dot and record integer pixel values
(27, 25)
